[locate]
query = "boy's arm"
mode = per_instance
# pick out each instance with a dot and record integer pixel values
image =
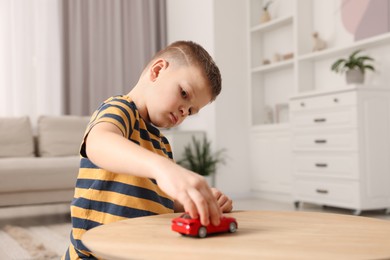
(107, 148)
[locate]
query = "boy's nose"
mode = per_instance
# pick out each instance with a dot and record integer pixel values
(184, 111)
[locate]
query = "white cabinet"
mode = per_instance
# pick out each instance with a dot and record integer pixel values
(270, 160)
(341, 148)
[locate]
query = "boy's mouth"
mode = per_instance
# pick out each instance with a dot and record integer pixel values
(173, 119)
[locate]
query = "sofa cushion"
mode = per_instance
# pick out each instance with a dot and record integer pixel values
(16, 137)
(38, 174)
(60, 135)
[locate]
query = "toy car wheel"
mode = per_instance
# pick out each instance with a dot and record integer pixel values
(232, 227)
(202, 232)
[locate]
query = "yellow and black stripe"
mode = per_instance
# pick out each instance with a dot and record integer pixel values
(103, 197)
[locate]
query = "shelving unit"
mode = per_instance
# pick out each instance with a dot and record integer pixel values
(290, 31)
(273, 24)
(337, 51)
(314, 72)
(313, 68)
(308, 72)
(271, 85)
(273, 67)
(263, 47)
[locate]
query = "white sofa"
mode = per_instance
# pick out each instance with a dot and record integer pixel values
(39, 168)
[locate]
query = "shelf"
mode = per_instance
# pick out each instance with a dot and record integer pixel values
(273, 66)
(329, 53)
(273, 24)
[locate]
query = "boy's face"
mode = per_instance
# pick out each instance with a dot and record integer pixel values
(176, 93)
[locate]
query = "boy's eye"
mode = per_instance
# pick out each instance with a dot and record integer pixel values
(183, 93)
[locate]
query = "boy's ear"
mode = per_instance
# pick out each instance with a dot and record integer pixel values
(157, 67)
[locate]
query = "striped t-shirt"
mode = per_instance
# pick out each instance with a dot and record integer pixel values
(103, 197)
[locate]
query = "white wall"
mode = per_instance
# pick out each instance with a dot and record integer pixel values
(232, 111)
(193, 20)
(220, 26)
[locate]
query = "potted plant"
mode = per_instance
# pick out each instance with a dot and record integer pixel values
(199, 158)
(354, 67)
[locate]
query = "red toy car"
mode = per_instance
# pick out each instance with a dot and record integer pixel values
(186, 225)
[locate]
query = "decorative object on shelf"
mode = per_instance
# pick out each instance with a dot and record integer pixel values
(354, 67)
(281, 113)
(265, 15)
(288, 56)
(199, 158)
(268, 115)
(266, 61)
(319, 44)
(277, 57)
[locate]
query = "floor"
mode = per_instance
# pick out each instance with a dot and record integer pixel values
(59, 213)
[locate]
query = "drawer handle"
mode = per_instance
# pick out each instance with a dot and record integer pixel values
(319, 120)
(321, 165)
(302, 104)
(320, 141)
(322, 191)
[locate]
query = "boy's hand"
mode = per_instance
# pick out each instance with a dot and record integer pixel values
(192, 191)
(224, 202)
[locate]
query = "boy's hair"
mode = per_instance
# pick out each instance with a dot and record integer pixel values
(191, 53)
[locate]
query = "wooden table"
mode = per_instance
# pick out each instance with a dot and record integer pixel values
(260, 235)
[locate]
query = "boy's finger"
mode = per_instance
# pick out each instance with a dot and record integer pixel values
(215, 213)
(214, 209)
(201, 206)
(227, 206)
(217, 194)
(222, 200)
(189, 206)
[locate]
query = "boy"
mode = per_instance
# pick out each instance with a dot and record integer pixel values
(126, 167)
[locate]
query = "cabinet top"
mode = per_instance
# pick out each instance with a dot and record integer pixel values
(339, 90)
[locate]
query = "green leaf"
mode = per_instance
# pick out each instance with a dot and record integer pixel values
(338, 64)
(369, 67)
(353, 62)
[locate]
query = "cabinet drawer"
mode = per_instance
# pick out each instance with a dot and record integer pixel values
(343, 117)
(326, 101)
(342, 140)
(342, 165)
(325, 191)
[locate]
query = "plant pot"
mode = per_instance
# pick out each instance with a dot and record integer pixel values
(354, 77)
